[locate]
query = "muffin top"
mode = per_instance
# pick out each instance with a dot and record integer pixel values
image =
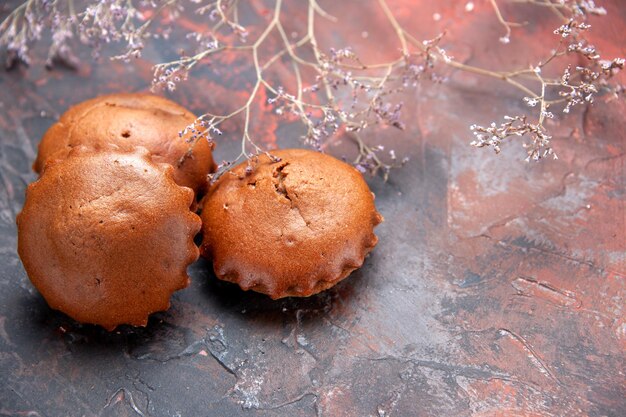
(289, 228)
(106, 237)
(128, 120)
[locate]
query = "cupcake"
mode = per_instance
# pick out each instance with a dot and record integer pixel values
(106, 237)
(128, 120)
(293, 226)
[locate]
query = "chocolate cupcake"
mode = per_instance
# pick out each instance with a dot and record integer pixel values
(128, 120)
(289, 228)
(106, 237)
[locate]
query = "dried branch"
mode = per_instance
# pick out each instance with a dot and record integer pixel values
(346, 96)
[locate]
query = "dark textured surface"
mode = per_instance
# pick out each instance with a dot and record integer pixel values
(497, 287)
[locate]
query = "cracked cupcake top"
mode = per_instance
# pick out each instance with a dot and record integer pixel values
(128, 120)
(106, 237)
(290, 228)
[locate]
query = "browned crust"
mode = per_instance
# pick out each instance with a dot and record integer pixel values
(128, 120)
(106, 237)
(290, 228)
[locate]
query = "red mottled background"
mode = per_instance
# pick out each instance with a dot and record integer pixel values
(497, 289)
